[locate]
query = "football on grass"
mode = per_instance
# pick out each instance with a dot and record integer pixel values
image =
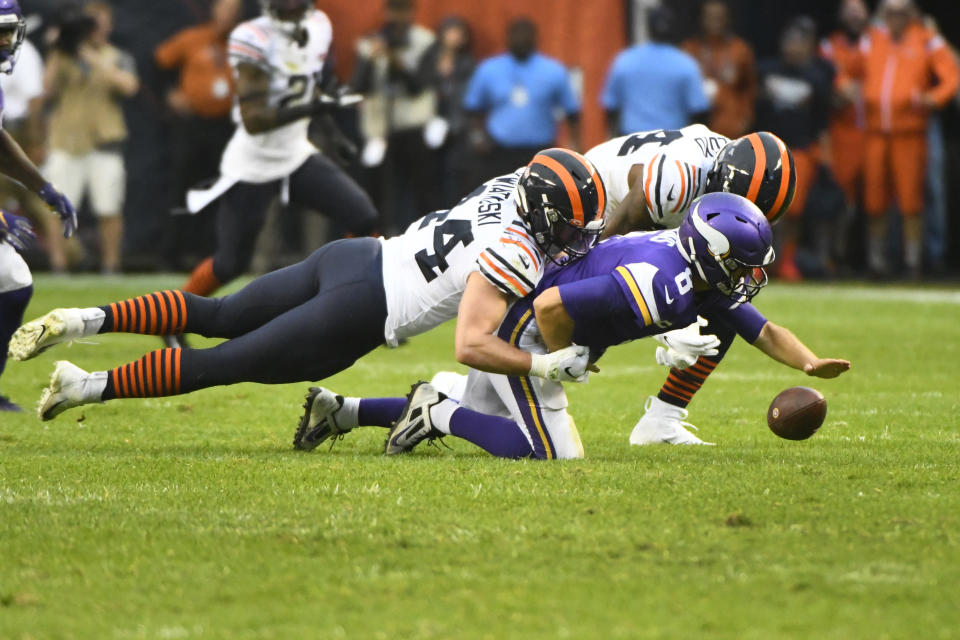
(797, 413)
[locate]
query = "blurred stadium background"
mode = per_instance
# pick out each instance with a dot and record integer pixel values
(585, 36)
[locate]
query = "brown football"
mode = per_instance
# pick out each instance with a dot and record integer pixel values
(797, 413)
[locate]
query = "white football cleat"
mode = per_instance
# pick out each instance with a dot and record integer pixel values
(70, 386)
(319, 422)
(664, 423)
(60, 325)
(414, 425)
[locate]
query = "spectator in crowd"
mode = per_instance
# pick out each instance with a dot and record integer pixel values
(87, 78)
(935, 192)
(514, 98)
(908, 73)
(200, 105)
(447, 68)
(728, 66)
(847, 134)
(794, 103)
(23, 119)
(654, 85)
(397, 108)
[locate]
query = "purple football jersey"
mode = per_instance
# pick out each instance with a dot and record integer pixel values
(636, 286)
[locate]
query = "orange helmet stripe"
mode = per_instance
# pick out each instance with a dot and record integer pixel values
(758, 169)
(784, 180)
(572, 192)
(601, 190)
(683, 183)
(646, 186)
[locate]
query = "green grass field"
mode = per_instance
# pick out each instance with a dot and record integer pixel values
(191, 517)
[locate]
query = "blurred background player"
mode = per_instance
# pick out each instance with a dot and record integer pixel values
(397, 107)
(729, 70)
(908, 73)
(86, 80)
(16, 283)
(796, 89)
(654, 85)
(279, 61)
(199, 104)
(514, 98)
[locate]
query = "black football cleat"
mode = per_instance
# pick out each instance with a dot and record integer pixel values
(414, 424)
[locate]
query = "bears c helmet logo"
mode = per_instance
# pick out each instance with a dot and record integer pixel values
(759, 167)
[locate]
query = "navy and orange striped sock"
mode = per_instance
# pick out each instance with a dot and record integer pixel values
(682, 384)
(155, 375)
(158, 314)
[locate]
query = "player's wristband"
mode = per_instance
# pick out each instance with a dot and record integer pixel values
(539, 363)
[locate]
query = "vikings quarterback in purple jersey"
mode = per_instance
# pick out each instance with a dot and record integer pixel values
(628, 287)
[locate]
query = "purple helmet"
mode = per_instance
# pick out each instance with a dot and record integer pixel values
(13, 29)
(729, 242)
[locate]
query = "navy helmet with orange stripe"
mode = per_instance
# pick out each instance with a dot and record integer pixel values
(759, 167)
(562, 199)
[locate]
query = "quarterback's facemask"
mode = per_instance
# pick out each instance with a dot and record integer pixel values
(13, 29)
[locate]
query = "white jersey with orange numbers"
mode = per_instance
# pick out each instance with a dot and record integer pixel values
(675, 167)
(425, 269)
(293, 68)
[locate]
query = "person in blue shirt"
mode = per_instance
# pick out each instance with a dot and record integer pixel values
(513, 98)
(654, 85)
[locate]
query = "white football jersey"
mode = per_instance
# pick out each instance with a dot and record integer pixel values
(676, 163)
(293, 80)
(425, 269)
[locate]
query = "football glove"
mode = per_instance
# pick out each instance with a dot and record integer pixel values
(683, 347)
(61, 206)
(16, 230)
(566, 365)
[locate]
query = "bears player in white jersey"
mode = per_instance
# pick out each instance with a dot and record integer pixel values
(652, 178)
(281, 65)
(16, 283)
(314, 319)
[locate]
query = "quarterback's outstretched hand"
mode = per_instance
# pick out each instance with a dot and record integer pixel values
(571, 364)
(61, 206)
(16, 230)
(682, 347)
(826, 368)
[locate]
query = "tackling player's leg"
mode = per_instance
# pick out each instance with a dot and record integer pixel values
(665, 414)
(342, 321)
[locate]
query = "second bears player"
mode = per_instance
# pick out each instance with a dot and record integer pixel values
(652, 177)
